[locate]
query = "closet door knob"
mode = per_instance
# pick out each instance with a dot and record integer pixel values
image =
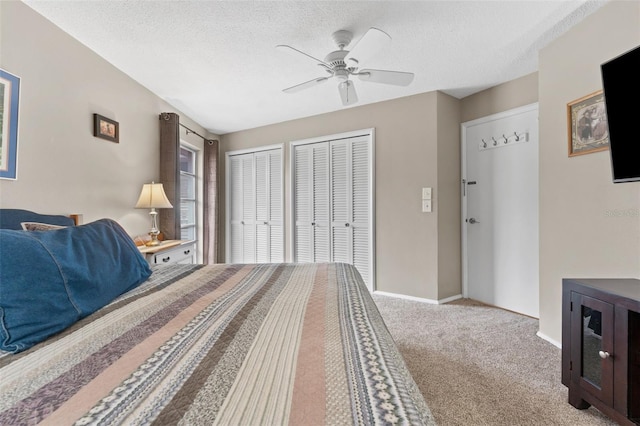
(346, 224)
(604, 354)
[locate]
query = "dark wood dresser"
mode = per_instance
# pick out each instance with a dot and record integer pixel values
(601, 346)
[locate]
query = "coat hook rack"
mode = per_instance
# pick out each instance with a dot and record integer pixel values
(512, 139)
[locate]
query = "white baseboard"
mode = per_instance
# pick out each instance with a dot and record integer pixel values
(419, 299)
(549, 339)
(449, 299)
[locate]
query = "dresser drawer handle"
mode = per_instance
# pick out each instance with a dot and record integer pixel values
(166, 259)
(187, 251)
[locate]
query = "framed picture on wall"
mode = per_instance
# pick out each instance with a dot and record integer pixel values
(587, 123)
(105, 128)
(9, 105)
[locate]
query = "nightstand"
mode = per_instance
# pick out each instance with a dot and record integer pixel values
(170, 251)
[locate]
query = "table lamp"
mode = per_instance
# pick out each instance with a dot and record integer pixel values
(153, 197)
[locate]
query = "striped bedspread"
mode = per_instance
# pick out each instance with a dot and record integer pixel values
(272, 344)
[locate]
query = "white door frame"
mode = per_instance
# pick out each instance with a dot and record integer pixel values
(463, 151)
(372, 191)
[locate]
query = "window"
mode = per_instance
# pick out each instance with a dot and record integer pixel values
(188, 177)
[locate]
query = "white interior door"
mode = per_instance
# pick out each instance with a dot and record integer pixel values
(500, 210)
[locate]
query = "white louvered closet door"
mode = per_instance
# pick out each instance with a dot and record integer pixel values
(269, 217)
(332, 203)
(276, 207)
(350, 204)
(255, 223)
(248, 210)
(311, 206)
(241, 216)
(339, 202)
(302, 210)
(234, 189)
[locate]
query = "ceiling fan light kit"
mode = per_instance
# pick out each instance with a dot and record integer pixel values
(342, 64)
(347, 92)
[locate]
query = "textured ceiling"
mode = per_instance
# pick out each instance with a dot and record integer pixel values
(216, 61)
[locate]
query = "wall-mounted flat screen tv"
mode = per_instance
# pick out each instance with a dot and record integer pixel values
(621, 85)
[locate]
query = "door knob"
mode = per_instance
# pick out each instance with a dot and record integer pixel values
(604, 354)
(473, 220)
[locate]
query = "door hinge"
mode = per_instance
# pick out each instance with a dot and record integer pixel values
(570, 365)
(571, 307)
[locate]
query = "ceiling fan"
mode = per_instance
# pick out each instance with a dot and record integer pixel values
(342, 64)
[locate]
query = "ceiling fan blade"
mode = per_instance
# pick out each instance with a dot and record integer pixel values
(287, 48)
(370, 43)
(347, 93)
(305, 85)
(397, 78)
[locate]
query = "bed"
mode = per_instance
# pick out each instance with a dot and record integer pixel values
(226, 344)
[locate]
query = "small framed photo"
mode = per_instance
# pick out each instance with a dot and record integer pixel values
(9, 104)
(588, 126)
(106, 128)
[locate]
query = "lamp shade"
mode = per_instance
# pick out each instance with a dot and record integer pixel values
(153, 196)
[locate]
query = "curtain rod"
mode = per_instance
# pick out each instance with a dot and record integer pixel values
(196, 133)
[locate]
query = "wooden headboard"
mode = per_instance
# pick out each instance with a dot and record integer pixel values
(77, 219)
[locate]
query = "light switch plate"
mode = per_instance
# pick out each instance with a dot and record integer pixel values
(426, 206)
(426, 193)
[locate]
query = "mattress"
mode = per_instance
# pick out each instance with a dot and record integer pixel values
(300, 344)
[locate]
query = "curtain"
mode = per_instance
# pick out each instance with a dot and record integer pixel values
(210, 179)
(170, 178)
(170, 173)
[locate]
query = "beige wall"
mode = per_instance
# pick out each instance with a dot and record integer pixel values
(512, 94)
(62, 168)
(408, 147)
(579, 234)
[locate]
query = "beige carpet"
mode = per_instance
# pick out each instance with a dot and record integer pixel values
(479, 365)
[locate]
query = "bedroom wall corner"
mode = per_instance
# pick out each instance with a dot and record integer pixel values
(581, 236)
(62, 168)
(448, 198)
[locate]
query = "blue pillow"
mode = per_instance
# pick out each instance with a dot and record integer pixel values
(12, 218)
(51, 279)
